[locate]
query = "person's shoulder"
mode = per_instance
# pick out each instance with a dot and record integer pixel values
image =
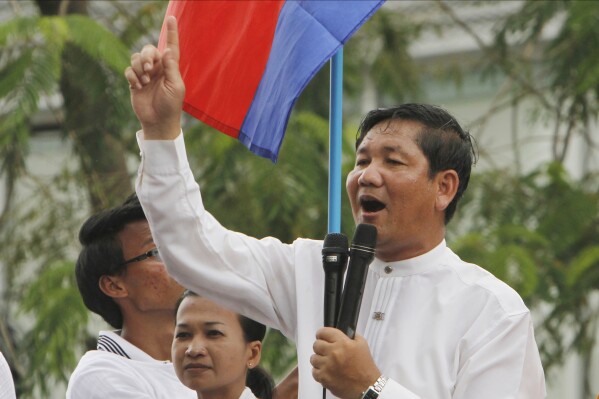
(100, 364)
(98, 371)
(307, 243)
(485, 285)
(247, 394)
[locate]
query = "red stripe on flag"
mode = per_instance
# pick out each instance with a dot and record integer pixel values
(234, 39)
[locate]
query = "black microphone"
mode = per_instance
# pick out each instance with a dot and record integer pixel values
(335, 250)
(361, 255)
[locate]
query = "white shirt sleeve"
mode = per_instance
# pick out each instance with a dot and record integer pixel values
(7, 386)
(189, 238)
(504, 365)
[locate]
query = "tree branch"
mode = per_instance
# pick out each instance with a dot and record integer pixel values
(492, 55)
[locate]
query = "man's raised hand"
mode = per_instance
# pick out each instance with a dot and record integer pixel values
(157, 89)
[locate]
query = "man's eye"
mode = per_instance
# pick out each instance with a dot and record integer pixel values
(361, 162)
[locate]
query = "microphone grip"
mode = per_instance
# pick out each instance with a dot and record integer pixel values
(352, 295)
(333, 287)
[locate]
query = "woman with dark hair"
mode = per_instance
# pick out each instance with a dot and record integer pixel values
(216, 351)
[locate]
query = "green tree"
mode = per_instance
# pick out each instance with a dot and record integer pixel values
(52, 47)
(565, 83)
(557, 73)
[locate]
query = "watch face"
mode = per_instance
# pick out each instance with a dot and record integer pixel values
(370, 394)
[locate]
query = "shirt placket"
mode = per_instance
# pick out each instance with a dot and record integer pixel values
(379, 312)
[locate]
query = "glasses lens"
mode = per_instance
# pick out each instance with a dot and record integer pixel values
(156, 254)
(153, 253)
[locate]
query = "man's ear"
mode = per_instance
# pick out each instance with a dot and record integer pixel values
(447, 187)
(112, 286)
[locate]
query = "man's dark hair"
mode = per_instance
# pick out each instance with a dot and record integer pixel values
(442, 140)
(102, 254)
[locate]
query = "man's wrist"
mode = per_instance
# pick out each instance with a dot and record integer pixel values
(375, 389)
(161, 132)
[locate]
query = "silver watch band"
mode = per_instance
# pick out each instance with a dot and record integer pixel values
(375, 389)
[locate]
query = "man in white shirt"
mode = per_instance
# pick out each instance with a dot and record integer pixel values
(430, 326)
(121, 277)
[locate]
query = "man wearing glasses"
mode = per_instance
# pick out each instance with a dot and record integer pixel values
(121, 277)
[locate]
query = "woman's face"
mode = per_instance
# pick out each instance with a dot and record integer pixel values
(209, 351)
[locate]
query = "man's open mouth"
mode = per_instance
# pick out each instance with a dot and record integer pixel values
(370, 205)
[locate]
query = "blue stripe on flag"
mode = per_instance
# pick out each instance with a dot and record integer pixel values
(308, 34)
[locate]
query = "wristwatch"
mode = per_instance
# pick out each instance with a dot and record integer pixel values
(375, 389)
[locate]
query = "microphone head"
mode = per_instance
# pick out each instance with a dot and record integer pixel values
(364, 237)
(335, 243)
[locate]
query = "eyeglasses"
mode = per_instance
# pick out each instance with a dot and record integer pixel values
(151, 253)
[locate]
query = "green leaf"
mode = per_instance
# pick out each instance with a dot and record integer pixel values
(518, 268)
(60, 320)
(13, 73)
(581, 264)
(17, 33)
(97, 41)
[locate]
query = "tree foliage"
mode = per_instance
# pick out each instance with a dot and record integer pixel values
(55, 54)
(544, 52)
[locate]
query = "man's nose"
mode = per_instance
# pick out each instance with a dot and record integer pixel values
(370, 175)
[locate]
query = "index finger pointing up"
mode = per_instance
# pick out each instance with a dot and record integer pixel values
(172, 36)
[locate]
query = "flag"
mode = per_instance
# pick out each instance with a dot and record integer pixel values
(245, 62)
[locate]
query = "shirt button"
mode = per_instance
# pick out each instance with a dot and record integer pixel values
(378, 316)
(388, 269)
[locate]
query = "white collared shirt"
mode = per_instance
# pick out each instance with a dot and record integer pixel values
(119, 369)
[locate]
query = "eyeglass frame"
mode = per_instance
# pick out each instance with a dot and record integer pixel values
(151, 253)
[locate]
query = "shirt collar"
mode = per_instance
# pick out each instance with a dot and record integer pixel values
(417, 265)
(111, 341)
